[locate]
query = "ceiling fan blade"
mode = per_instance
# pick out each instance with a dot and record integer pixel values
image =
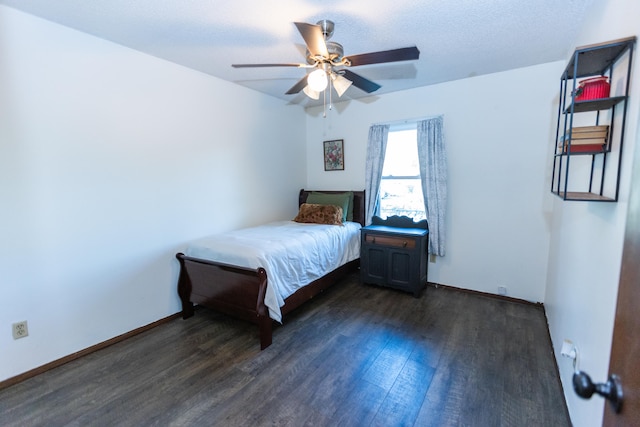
(298, 86)
(394, 55)
(312, 35)
(360, 82)
(266, 65)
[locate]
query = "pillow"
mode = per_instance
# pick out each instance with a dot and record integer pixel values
(319, 214)
(344, 200)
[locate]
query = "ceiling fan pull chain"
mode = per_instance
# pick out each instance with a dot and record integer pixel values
(324, 104)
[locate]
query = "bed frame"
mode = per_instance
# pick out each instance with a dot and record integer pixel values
(239, 292)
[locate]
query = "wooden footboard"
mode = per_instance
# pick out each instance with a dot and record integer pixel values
(236, 291)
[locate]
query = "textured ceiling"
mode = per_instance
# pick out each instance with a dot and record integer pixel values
(456, 39)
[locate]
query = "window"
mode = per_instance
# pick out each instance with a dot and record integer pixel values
(400, 184)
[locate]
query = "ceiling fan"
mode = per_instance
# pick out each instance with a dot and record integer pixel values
(327, 57)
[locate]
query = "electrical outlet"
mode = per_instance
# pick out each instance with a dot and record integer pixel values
(569, 350)
(20, 330)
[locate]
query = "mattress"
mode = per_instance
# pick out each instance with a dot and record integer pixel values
(293, 254)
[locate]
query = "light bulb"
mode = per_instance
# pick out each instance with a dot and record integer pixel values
(317, 80)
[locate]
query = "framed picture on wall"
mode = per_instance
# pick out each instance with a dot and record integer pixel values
(334, 155)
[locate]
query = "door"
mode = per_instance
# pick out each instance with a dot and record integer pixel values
(375, 265)
(625, 348)
(401, 266)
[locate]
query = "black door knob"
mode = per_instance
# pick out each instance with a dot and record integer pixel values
(611, 390)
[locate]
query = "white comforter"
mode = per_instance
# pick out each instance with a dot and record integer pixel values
(293, 254)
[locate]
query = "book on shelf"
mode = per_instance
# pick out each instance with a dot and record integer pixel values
(589, 135)
(588, 132)
(583, 148)
(600, 128)
(586, 141)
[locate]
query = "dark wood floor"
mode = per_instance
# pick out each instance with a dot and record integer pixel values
(355, 356)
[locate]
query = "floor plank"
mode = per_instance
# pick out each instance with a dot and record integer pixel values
(356, 355)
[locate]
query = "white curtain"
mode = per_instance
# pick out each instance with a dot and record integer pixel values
(433, 173)
(376, 148)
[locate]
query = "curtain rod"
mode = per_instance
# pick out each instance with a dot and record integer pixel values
(406, 121)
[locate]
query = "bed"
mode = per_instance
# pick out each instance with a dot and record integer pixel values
(235, 279)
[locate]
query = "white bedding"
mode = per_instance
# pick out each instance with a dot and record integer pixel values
(293, 254)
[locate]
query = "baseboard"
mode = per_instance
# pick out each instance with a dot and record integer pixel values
(555, 364)
(59, 362)
(486, 294)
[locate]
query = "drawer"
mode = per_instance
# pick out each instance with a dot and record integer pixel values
(394, 241)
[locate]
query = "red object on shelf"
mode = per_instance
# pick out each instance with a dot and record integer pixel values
(585, 148)
(593, 88)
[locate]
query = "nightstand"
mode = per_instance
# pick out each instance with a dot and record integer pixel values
(393, 253)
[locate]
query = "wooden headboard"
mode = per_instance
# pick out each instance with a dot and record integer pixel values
(358, 202)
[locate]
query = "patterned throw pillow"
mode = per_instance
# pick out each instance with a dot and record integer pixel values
(319, 214)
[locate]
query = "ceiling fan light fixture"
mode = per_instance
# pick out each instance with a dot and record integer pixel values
(340, 84)
(311, 93)
(317, 80)
(323, 56)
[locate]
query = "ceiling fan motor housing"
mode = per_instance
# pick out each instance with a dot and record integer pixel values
(335, 49)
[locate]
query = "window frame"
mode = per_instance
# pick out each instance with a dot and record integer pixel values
(407, 126)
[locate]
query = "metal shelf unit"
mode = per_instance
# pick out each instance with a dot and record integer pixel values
(587, 61)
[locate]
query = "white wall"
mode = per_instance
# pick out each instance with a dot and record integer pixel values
(109, 161)
(498, 130)
(587, 238)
